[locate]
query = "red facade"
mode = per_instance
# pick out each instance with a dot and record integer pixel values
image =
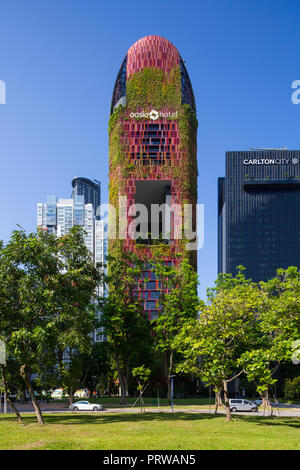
(154, 152)
(152, 51)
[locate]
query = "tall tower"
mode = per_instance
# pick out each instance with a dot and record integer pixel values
(90, 190)
(258, 212)
(153, 152)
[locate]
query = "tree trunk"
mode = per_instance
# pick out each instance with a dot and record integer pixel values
(218, 400)
(125, 384)
(123, 389)
(122, 382)
(71, 396)
(11, 404)
(226, 399)
(265, 401)
(122, 385)
(141, 396)
(13, 407)
(123, 393)
(111, 385)
(26, 377)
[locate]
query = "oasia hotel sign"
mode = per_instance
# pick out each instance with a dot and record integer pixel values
(153, 114)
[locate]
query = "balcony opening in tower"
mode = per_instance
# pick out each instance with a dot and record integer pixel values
(155, 196)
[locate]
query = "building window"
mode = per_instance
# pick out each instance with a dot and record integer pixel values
(150, 304)
(154, 314)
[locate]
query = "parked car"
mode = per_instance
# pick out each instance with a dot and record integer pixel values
(237, 404)
(258, 401)
(85, 406)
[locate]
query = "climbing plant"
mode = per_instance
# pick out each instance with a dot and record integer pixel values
(154, 87)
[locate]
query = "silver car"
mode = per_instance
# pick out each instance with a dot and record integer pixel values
(240, 404)
(85, 406)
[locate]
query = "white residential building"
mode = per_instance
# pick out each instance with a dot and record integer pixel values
(58, 216)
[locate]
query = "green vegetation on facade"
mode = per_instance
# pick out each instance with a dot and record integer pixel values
(154, 88)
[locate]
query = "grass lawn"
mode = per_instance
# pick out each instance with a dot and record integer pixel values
(149, 431)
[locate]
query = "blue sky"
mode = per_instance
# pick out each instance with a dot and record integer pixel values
(60, 58)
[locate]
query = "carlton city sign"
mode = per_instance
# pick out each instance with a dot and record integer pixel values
(271, 161)
(153, 114)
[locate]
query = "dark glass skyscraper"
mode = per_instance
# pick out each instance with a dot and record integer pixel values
(258, 212)
(90, 190)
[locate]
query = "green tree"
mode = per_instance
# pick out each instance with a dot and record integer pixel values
(6, 388)
(122, 315)
(279, 327)
(179, 304)
(142, 375)
(98, 368)
(76, 292)
(227, 326)
(292, 388)
(47, 286)
(200, 367)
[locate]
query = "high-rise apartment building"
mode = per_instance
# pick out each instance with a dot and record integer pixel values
(258, 213)
(58, 216)
(152, 152)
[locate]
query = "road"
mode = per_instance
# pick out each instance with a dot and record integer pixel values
(284, 411)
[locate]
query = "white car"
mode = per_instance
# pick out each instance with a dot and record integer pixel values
(239, 404)
(85, 406)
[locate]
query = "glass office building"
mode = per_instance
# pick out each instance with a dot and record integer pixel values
(258, 212)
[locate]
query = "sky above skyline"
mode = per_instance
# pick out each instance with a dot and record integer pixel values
(60, 58)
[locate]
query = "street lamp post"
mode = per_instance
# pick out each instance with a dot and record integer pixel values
(3, 364)
(172, 391)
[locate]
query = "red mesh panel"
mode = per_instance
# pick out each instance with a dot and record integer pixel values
(152, 51)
